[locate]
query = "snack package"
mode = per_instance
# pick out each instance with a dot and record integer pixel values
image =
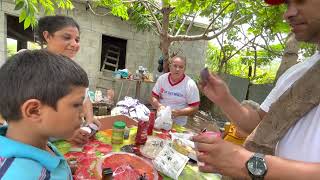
(170, 162)
(164, 120)
(153, 146)
(182, 144)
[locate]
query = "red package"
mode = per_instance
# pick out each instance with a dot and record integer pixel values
(142, 132)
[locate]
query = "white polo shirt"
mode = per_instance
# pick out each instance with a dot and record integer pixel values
(301, 142)
(177, 95)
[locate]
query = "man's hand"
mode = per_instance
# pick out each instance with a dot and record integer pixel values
(215, 89)
(222, 157)
(80, 137)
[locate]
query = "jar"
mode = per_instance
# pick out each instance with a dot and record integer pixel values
(118, 132)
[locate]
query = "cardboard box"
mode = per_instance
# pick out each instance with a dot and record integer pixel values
(107, 121)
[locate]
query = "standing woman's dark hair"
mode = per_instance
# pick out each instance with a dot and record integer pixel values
(60, 34)
(53, 24)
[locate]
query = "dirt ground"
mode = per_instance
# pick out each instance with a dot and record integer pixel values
(203, 120)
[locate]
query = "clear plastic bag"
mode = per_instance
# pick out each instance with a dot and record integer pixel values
(164, 120)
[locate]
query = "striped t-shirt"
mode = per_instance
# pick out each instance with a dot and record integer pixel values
(23, 161)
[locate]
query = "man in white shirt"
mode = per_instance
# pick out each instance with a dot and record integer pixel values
(297, 155)
(177, 90)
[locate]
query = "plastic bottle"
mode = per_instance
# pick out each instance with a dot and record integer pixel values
(142, 132)
(118, 132)
(151, 122)
(126, 133)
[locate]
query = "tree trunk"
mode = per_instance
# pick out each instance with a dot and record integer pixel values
(290, 55)
(165, 40)
(164, 46)
(255, 62)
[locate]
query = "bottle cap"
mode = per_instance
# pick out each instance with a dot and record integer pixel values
(119, 124)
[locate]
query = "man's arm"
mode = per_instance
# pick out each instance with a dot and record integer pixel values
(229, 159)
(244, 117)
(279, 168)
(217, 91)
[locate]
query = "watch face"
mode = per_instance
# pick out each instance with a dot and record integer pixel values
(256, 166)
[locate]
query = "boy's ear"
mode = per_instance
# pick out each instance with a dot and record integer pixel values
(30, 109)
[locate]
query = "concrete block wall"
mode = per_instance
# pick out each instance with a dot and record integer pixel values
(142, 47)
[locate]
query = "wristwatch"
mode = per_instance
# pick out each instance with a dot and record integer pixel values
(257, 166)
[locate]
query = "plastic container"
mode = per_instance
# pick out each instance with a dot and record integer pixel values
(118, 132)
(126, 133)
(152, 117)
(211, 134)
(142, 132)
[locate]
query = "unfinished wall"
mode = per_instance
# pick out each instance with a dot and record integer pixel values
(142, 47)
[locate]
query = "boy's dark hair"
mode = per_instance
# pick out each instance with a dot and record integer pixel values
(37, 74)
(53, 24)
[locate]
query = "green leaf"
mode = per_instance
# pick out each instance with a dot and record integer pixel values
(22, 16)
(19, 5)
(27, 22)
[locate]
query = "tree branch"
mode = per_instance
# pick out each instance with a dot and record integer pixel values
(180, 27)
(244, 45)
(280, 40)
(191, 23)
(158, 25)
(165, 21)
(266, 47)
(174, 25)
(144, 1)
(214, 19)
(205, 36)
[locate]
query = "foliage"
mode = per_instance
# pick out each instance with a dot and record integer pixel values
(242, 29)
(11, 47)
(239, 65)
(29, 9)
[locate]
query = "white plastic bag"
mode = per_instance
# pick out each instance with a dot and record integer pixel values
(164, 120)
(170, 162)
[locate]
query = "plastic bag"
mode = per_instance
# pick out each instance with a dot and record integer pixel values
(170, 162)
(164, 120)
(153, 146)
